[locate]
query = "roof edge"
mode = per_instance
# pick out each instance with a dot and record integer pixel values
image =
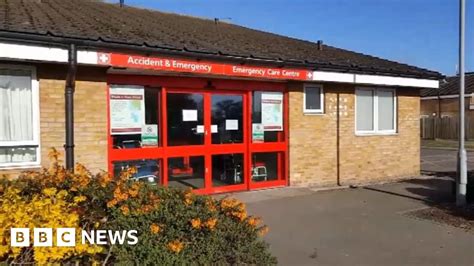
(50, 39)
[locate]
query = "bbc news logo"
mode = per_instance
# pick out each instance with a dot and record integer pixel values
(66, 237)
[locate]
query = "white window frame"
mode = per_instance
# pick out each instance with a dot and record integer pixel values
(375, 118)
(321, 97)
(36, 123)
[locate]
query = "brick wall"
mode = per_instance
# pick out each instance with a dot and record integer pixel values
(90, 115)
(363, 159)
(313, 142)
(446, 107)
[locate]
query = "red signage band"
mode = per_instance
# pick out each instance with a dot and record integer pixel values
(178, 65)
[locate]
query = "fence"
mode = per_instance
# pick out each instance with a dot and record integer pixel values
(445, 127)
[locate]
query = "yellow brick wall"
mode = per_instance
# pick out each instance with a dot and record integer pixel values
(90, 116)
(312, 143)
(363, 159)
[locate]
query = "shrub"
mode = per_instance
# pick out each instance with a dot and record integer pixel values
(174, 226)
(185, 228)
(46, 209)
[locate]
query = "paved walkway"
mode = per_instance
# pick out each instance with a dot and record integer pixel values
(363, 226)
(443, 161)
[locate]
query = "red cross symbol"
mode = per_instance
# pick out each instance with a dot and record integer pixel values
(103, 58)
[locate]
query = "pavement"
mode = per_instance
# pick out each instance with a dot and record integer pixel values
(361, 226)
(443, 161)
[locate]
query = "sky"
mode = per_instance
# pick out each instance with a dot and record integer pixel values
(423, 33)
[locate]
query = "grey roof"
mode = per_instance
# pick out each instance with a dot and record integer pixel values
(105, 23)
(450, 86)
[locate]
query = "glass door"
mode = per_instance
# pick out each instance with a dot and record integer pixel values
(206, 140)
(268, 146)
(186, 139)
(228, 138)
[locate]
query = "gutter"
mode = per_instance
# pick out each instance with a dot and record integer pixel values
(49, 39)
(448, 96)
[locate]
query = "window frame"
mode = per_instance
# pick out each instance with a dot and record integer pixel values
(36, 122)
(321, 99)
(375, 118)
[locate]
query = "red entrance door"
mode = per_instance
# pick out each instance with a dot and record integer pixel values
(206, 147)
(206, 140)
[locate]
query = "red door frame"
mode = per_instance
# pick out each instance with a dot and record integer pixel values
(207, 87)
(208, 149)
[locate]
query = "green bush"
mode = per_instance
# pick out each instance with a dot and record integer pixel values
(174, 226)
(188, 229)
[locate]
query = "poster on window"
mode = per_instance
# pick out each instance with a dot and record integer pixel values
(127, 109)
(231, 124)
(150, 135)
(190, 115)
(258, 135)
(272, 111)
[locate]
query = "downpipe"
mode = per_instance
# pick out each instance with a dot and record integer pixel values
(69, 106)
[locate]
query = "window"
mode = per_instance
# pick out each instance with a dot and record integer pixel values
(267, 166)
(185, 119)
(135, 110)
(260, 134)
(375, 111)
(313, 101)
(19, 116)
(148, 170)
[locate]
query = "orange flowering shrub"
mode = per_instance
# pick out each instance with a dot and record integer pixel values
(155, 229)
(175, 246)
(182, 228)
(196, 223)
(175, 227)
(211, 223)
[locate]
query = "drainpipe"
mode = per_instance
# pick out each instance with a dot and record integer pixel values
(338, 144)
(69, 106)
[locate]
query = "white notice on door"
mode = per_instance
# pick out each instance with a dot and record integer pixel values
(190, 115)
(200, 129)
(213, 128)
(231, 124)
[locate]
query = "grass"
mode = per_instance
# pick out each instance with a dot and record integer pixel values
(446, 144)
